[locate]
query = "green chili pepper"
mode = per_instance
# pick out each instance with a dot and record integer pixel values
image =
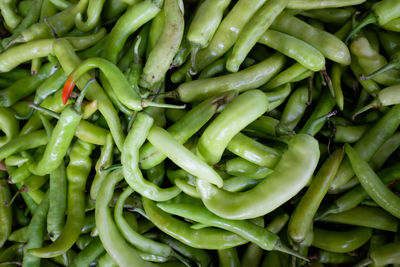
(195, 238)
(35, 233)
(167, 45)
(57, 202)
(295, 48)
(317, 4)
(249, 78)
(93, 16)
(365, 216)
(386, 97)
(253, 151)
(356, 195)
(156, 28)
(181, 156)
(337, 16)
(256, 234)
(83, 241)
(334, 258)
(369, 144)
(329, 45)
(384, 255)
(385, 151)
(255, 30)
(26, 86)
(393, 25)
(88, 254)
(286, 76)
(129, 22)
(8, 125)
(349, 134)
(185, 128)
(31, 18)
(59, 142)
(302, 217)
(11, 18)
(140, 242)
(112, 240)
(372, 184)
(206, 21)
(298, 161)
(13, 252)
(16, 55)
(227, 32)
(293, 112)
(104, 161)
(130, 161)
(370, 61)
(228, 257)
(199, 256)
(20, 235)
(69, 61)
(241, 167)
(253, 254)
(115, 77)
(341, 242)
(390, 42)
(382, 12)
(243, 109)
(156, 174)
(77, 173)
(61, 23)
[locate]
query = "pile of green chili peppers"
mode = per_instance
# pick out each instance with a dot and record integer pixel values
(199, 133)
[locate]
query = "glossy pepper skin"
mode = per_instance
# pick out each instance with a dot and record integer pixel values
(59, 142)
(298, 161)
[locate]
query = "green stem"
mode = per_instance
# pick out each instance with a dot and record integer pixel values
(371, 18)
(44, 110)
(280, 247)
(374, 104)
(111, 168)
(79, 101)
(394, 64)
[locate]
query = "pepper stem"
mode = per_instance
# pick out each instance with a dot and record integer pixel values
(371, 18)
(328, 81)
(147, 103)
(193, 52)
(136, 53)
(314, 125)
(181, 259)
(111, 168)
(26, 117)
(44, 110)
(79, 101)
(53, 31)
(393, 64)
(282, 248)
(364, 262)
(329, 210)
(374, 104)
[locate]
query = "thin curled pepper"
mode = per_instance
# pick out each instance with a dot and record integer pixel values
(130, 161)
